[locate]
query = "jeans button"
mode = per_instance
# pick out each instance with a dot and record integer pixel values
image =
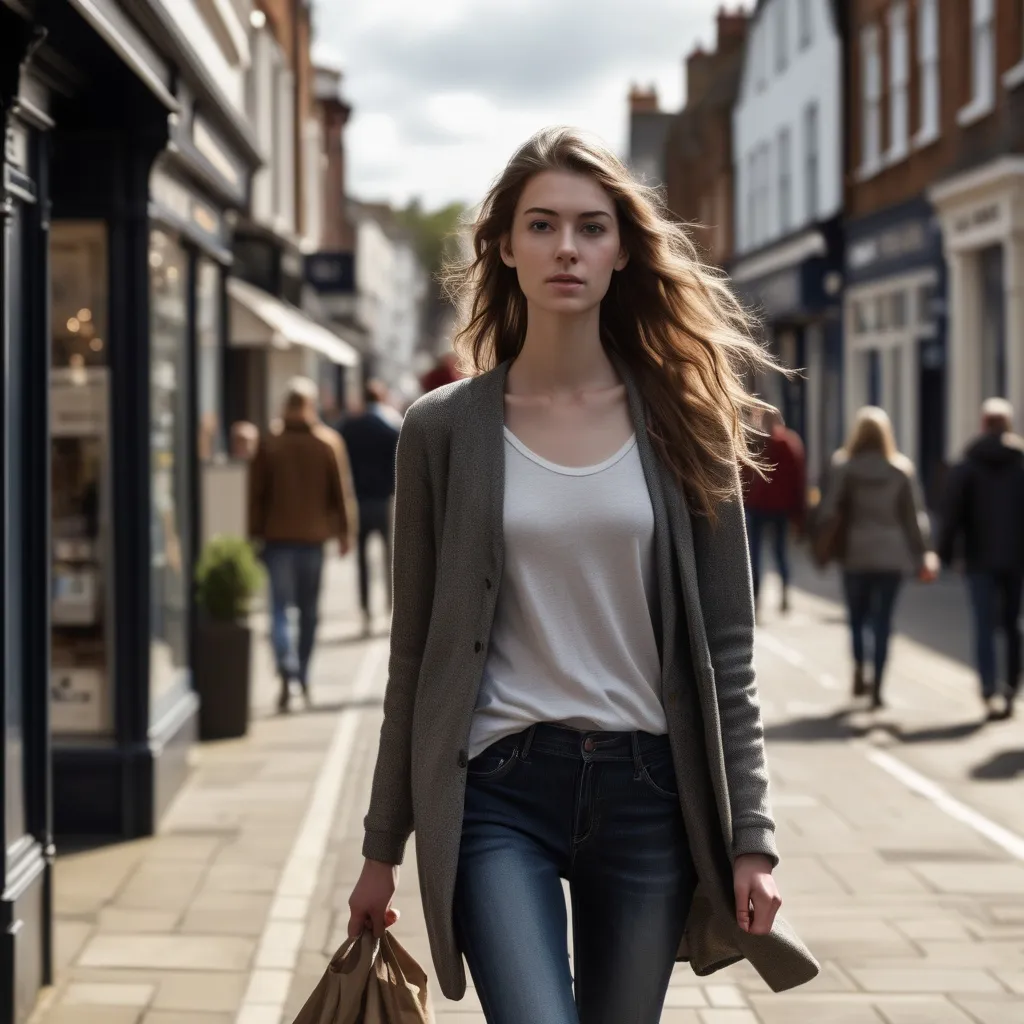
(487, 584)
(588, 745)
(477, 646)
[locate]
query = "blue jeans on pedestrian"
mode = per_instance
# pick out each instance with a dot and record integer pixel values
(870, 603)
(600, 810)
(295, 572)
(995, 605)
(778, 522)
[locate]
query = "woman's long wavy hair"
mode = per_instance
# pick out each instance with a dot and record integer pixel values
(668, 317)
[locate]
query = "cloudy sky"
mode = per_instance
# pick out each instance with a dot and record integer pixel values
(444, 90)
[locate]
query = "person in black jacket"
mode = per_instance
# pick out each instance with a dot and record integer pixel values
(372, 441)
(984, 521)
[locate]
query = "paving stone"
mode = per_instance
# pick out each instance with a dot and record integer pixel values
(93, 1015)
(169, 952)
(194, 991)
(685, 996)
(82, 993)
(1005, 1010)
(726, 1017)
(932, 928)
(725, 997)
(921, 1011)
(122, 919)
(967, 878)
(787, 1009)
(925, 979)
(165, 1017)
(223, 922)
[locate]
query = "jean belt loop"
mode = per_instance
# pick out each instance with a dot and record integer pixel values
(638, 764)
(524, 754)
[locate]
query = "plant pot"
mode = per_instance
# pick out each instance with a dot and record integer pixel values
(222, 666)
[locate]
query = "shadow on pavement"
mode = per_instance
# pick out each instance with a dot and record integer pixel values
(1006, 765)
(337, 707)
(938, 733)
(833, 728)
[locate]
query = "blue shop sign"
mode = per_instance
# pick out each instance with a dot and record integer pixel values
(331, 273)
(804, 289)
(893, 241)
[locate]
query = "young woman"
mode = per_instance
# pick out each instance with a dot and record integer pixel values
(886, 536)
(571, 692)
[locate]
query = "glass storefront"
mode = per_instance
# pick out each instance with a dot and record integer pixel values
(81, 653)
(209, 375)
(169, 460)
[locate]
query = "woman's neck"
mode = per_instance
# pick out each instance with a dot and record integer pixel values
(561, 354)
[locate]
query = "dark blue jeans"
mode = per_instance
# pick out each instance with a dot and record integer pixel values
(870, 602)
(995, 604)
(778, 522)
(600, 810)
(295, 572)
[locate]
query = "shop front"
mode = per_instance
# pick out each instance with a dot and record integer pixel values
(895, 315)
(982, 216)
(795, 288)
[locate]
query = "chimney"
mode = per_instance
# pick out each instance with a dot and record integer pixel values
(732, 29)
(643, 101)
(700, 66)
(334, 114)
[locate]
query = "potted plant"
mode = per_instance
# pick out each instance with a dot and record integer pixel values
(227, 577)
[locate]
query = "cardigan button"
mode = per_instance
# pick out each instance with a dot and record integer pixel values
(477, 646)
(487, 584)
(463, 759)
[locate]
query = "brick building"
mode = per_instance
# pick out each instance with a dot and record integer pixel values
(934, 305)
(699, 146)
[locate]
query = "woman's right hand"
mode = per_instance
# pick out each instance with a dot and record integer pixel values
(370, 902)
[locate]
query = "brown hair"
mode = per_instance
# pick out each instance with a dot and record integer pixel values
(669, 318)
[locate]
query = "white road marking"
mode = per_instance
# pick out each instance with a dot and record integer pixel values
(278, 949)
(1012, 843)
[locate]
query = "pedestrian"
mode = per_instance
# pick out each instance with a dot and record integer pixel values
(776, 500)
(572, 692)
(372, 440)
(444, 371)
(875, 491)
(983, 518)
(300, 497)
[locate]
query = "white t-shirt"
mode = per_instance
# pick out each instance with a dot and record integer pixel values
(573, 640)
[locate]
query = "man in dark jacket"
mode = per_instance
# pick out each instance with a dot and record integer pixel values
(777, 501)
(984, 521)
(372, 441)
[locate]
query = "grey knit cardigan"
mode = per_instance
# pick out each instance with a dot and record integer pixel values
(448, 553)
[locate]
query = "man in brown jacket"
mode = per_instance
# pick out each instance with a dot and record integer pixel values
(300, 497)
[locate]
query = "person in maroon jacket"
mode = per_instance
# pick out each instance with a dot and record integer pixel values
(777, 500)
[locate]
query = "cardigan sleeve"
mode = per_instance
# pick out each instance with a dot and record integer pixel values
(727, 604)
(389, 821)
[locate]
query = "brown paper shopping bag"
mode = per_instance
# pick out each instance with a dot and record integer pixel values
(370, 982)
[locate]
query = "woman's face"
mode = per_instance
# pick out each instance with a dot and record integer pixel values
(564, 243)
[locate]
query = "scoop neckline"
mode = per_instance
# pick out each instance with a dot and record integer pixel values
(556, 467)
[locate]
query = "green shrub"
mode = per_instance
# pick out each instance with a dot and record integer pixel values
(227, 577)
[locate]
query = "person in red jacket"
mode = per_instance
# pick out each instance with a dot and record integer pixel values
(777, 500)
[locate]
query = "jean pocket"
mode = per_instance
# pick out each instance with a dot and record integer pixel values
(660, 777)
(492, 764)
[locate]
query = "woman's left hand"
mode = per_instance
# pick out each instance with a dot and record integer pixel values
(757, 895)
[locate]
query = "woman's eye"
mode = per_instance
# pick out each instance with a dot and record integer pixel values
(539, 225)
(593, 229)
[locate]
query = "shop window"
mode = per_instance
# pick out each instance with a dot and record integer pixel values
(860, 317)
(926, 294)
(882, 313)
(82, 599)
(928, 70)
(983, 70)
(991, 262)
(899, 309)
(209, 355)
(171, 547)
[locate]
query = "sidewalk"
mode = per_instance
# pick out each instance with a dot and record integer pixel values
(914, 908)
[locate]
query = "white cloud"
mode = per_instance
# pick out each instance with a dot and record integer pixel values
(443, 92)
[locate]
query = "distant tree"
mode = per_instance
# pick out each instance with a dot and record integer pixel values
(435, 236)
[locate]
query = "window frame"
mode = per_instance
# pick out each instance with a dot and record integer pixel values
(870, 42)
(784, 145)
(930, 83)
(812, 162)
(899, 82)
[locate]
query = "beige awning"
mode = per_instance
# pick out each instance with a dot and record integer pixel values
(259, 320)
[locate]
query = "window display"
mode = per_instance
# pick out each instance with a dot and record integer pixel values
(169, 463)
(81, 669)
(209, 377)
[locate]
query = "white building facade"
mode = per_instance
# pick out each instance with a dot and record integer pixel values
(788, 148)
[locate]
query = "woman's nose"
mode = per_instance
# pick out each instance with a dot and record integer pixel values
(567, 245)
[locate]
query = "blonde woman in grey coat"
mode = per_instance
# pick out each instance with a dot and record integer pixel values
(572, 694)
(886, 538)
